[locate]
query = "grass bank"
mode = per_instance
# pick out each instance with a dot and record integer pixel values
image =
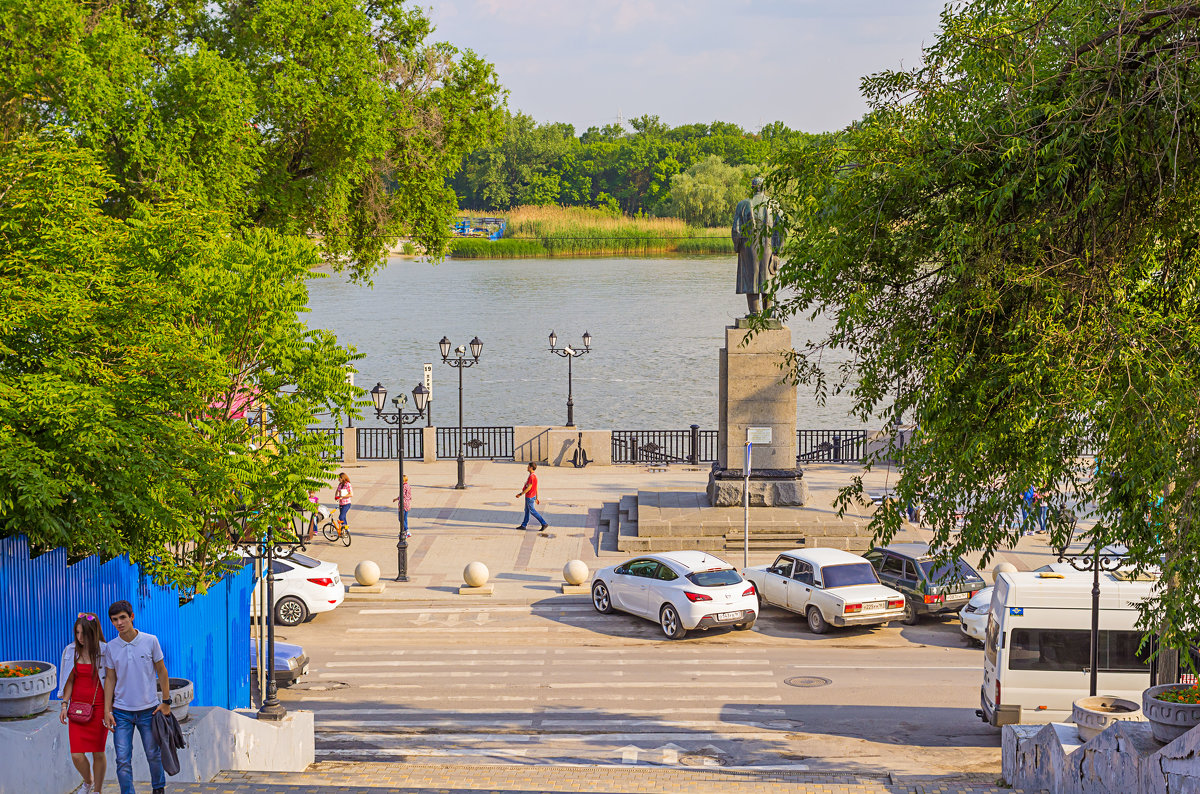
(578, 231)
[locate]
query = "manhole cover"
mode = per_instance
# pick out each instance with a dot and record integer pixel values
(317, 686)
(807, 681)
(695, 759)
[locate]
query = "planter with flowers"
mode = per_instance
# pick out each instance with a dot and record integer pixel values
(1172, 709)
(25, 688)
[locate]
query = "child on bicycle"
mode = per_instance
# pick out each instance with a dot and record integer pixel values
(342, 495)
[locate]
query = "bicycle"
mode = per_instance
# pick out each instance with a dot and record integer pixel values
(331, 530)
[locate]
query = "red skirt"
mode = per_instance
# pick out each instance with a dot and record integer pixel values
(90, 736)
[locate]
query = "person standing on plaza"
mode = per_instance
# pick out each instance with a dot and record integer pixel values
(405, 497)
(84, 686)
(530, 492)
(342, 494)
(133, 660)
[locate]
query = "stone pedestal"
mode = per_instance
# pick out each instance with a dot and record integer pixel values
(753, 393)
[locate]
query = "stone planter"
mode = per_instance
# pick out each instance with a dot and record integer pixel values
(181, 695)
(27, 695)
(1169, 721)
(1092, 715)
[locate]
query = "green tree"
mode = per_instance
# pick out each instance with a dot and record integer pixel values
(127, 346)
(1009, 238)
(338, 119)
(706, 194)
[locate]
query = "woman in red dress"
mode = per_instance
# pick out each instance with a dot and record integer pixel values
(85, 684)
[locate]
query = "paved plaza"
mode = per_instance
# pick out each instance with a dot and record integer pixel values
(419, 688)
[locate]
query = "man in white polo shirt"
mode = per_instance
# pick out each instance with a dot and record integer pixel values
(134, 660)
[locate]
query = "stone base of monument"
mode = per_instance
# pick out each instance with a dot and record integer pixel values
(768, 488)
(673, 520)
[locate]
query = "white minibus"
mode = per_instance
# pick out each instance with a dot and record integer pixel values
(1037, 651)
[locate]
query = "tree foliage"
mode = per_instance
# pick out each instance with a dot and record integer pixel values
(606, 167)
(1010, 238)
(127, 347)
(707, 193)
(338, 119)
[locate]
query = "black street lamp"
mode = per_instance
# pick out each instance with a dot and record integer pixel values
(275, 543)
(400, 419)
(570, 354)
(1094, 562)
(460, 362)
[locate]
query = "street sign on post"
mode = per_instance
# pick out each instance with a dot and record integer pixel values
(429, 381)
(754, 435)
(758, 435)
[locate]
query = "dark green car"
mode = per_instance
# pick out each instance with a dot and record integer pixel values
(929, 588)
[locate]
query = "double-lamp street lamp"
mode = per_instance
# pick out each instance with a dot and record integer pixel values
(570, 354)
(460, 362)
(400, 418)
(1095, 562)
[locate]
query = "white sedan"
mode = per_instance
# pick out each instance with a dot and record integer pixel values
(304, 586)
(827, 586)
(681, 590)
(973, 618)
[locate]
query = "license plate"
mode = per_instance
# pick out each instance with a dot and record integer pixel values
(728, 615)
(958, 596)
(874, 606)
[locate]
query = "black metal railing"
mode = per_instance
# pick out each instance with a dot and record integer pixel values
(332, 433)
(831, 446)
(478, 442)
(664, 446)
(379, 443)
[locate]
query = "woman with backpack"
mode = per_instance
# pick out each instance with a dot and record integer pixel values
(82, 696)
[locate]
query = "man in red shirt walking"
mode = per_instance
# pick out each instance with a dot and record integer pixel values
(531, 498)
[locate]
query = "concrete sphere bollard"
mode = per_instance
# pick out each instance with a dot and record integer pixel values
(366, 573)
(476, 574)
(1003, 567)
(575, 572)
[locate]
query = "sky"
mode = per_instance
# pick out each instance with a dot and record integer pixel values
(749, 62)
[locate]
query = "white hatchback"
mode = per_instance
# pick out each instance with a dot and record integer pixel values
(304, 586)
(680, 590)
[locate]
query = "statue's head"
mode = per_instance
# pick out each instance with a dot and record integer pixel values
(756, 184)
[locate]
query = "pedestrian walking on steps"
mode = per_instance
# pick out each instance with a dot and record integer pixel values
(133, 661)
(530, 492)
(82, 696)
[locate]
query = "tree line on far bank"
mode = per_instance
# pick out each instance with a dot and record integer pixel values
(695, 172)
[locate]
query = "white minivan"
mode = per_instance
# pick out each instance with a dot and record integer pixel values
(1037, 650)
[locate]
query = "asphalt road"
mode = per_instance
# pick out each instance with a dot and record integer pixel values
(557, 683)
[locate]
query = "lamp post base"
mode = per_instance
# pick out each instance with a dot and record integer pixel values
(401, 558)
(462, 481)
(272, 711)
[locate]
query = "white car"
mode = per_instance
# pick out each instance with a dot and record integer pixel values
(830, 587)
(973, 618)
(681, 590)
(304, 586)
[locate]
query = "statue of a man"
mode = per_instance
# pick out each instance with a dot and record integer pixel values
(757, 235)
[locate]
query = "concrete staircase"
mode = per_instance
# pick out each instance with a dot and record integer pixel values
(673, 520)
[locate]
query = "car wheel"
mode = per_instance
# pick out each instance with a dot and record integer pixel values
(672, 626)
(758, 597)
(601, 600)
(911, 617)
(816, 621)
(743, 626)
(290, 611)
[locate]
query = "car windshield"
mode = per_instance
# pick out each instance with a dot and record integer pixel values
(849, 574)
(717, 578)
(953, 571)
(302, 559)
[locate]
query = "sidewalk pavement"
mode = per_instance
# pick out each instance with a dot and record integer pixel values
(361, 778)
(451, 528)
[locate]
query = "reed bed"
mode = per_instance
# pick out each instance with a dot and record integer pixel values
(580, 231)
(482, 248)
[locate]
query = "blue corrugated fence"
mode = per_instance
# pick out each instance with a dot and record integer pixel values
(206, 640)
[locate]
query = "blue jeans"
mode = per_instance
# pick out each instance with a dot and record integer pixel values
(343, 511)
(123, 744)
(530, 510)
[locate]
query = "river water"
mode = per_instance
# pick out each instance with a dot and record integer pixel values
(656, 325)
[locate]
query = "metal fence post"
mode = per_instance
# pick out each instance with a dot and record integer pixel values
(633, 449)
(837, 448)
(694, 454)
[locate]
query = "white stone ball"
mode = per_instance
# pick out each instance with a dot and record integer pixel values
(476, 574)
(575, 572)
(1003, 567)
(366, 573)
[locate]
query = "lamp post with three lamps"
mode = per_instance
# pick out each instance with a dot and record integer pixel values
(400, 418)
(460, 362)
(570, 354)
